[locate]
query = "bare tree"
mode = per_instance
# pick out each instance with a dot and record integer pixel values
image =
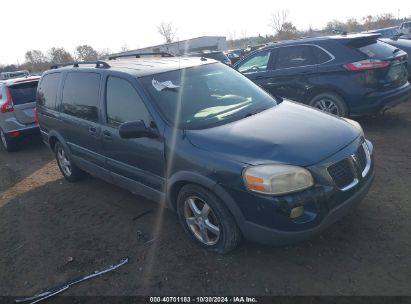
(289, 31)
(335, 27)
(278, 18)
(166, 30)
(368, 21)
(36, 61)
(86, 53)
(352, 25)
(59, 55)
(385, 20)
(124, 47)
(104, 53)
(231, 38)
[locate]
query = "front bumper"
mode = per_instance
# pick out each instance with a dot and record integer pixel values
(266, 218)
(265, 235)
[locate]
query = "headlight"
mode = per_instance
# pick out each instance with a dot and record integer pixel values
(277, 179)
(355, 125)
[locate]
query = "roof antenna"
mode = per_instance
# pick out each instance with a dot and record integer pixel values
(203, 59)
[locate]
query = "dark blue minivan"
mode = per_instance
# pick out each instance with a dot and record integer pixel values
(202, 139)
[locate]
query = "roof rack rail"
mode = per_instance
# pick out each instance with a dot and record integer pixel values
(138, 55)
(75, 64)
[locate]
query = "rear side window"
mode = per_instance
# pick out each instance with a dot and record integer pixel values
(320, 55)
(374, 48)
(81, 95)
(123, 103)
(295, 56)
(406, 25)
(47, 90)
(23, 92)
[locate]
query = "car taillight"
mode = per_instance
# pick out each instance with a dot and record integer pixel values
(8, 105)
(368, 64)
(14, 134)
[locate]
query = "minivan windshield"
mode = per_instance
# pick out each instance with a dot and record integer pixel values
(206, 95)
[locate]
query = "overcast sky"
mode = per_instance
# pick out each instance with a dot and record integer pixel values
(42, 24)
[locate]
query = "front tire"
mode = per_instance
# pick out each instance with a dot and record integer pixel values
(330, 103)
(206, 220)
(8, 145)
(70, 171)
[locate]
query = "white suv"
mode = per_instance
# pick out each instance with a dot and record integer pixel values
(405, 29)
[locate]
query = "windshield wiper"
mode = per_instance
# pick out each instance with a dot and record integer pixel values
(255, 112)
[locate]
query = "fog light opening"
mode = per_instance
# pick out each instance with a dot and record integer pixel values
(297, 212)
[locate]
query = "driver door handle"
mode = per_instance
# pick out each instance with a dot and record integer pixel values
(106, 135)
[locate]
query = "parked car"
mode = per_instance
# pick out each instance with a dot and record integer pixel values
(205, 141)
(391, 35)
(343, 74)
(234, 55)
(15, 74)
(217, 55)
(17, 105)
(405, 29)
(388, 32)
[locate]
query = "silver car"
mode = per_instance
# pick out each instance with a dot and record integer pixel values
(17, 110)
(405, 29)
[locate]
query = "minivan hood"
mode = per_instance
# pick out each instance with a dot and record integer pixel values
(287, 133)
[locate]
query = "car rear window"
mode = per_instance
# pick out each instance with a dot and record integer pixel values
(23, 92)
(373, 48)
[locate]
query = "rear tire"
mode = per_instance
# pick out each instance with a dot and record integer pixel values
(8, 145)
(331, 103)
(206, 220)
(70, 171)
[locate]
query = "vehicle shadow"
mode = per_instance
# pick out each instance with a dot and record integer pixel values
(397, 118)
(31, 156)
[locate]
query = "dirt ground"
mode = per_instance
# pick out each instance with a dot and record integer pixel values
(52, 230)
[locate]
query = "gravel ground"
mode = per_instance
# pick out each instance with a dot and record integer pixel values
(52, 230)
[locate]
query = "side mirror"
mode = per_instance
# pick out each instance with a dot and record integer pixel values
(135, 129)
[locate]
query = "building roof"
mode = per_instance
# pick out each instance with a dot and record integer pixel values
(182, 42)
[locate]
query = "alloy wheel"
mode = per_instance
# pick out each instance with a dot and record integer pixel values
(64, 163)
(201, 220)
(327, 105)
(3, 139)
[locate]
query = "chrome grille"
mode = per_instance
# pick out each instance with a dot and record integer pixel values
(347, 173)
(341, 173)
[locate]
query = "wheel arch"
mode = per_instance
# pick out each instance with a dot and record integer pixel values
(54, 137)
(320, 90)
(180, 179)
